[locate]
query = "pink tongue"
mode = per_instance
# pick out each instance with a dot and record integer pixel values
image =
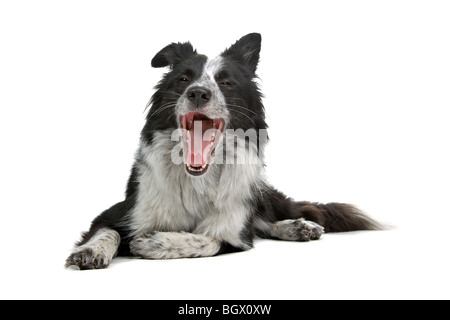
(199, 149)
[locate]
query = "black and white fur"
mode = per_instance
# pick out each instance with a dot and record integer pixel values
(172, 212)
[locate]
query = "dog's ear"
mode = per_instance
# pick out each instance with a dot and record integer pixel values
(172, 54)
(246, 50)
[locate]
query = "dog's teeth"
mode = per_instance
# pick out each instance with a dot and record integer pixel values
(196, 169)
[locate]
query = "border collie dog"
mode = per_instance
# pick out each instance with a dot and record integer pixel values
(197, 187)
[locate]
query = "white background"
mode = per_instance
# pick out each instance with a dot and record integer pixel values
(357, 96)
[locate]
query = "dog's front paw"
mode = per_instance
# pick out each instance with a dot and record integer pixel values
(159, 245)
(87, 258)
(297, 230)
(173, 245)
(146, 246)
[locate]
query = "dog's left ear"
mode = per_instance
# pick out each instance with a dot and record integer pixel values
(173, 54)
(246, 50)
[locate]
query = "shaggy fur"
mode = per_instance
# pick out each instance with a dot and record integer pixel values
(197, 186)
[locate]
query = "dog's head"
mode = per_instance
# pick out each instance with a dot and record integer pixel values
(204, 96)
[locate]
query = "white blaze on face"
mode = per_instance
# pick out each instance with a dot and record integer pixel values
(208, 78)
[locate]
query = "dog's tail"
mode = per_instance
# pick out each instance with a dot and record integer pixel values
(336, 217)
(333, 216)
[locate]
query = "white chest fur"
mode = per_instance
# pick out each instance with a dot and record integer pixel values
(216, 204)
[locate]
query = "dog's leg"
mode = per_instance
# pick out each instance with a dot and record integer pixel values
(173, 245)
(97, 252)
(296, 230)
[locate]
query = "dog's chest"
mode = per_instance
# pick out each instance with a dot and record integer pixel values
(168, 200)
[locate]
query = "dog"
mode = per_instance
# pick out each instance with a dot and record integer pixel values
(197, 187)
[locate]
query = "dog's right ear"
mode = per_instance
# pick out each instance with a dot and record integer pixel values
(172, 54)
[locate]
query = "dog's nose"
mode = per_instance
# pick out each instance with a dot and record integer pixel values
(199, 96)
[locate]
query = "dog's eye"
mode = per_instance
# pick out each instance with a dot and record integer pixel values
(225, 83)
(185, 79)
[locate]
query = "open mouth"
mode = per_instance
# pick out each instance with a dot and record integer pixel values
(200, 137)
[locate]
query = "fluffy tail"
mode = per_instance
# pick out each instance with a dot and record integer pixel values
(336, 217)
(333, 216)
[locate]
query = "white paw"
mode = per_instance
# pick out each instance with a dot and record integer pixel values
(297, 230)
